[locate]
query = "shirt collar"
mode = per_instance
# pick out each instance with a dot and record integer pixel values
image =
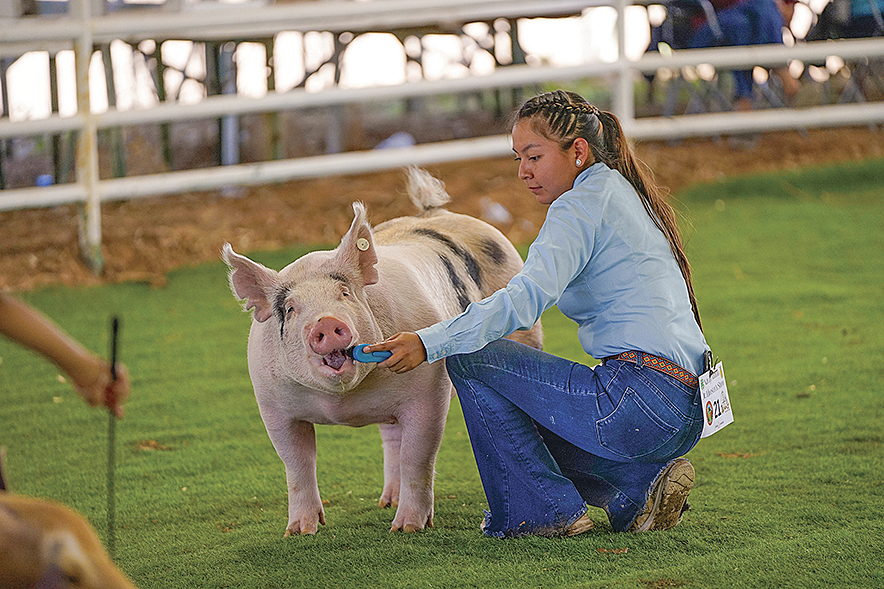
(582, 176)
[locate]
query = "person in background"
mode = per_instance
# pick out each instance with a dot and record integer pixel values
(551, 436)
(849, 19)
(747, 22)
(90, 374)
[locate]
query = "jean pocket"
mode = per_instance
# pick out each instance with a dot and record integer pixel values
(634, 429)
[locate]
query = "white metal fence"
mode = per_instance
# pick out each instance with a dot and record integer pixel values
(81, 30)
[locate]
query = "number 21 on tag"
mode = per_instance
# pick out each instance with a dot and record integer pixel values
(716, 404)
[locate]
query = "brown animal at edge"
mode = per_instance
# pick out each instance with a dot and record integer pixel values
(45, 545)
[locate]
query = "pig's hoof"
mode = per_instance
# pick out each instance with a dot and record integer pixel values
(383, 503)
(289, 533)
(301, 529)
(411, 527)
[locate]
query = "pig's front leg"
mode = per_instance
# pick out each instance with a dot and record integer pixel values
(295, 442)
(421, 437)
(391, 435)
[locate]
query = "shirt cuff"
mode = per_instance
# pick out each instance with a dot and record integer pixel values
(436, 342)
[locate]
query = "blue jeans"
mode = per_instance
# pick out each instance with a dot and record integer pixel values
(551, 436)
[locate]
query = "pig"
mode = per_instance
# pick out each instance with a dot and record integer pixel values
(402, 275)
(45, 544)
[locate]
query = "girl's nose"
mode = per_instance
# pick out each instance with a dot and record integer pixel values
(523, 170)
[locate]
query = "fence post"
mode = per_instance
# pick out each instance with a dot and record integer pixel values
(4, 102)
(624, 97)
(87, 143)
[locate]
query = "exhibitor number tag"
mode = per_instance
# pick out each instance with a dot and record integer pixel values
(716, 404)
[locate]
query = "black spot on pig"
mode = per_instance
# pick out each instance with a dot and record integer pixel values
(279, 308)
(468, 259)
(460, 288)
(493, 251)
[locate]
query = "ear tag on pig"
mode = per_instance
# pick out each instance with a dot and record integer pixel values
(361, 356)
(362, 244)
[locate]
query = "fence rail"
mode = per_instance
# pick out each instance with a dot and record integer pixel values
(82, 31)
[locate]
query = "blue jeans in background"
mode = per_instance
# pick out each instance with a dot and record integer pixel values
(551, 436)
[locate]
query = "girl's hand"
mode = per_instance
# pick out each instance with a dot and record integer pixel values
(408, 352)
(95, 385)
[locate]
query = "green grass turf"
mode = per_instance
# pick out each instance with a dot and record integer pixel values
(789, 272)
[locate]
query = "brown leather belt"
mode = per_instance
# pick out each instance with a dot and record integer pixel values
(661, 364)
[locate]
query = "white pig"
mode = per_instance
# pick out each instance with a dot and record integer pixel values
(403, 275)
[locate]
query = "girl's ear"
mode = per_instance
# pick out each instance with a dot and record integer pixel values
(581, 150)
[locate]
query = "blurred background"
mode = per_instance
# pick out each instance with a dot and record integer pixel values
(111, 102)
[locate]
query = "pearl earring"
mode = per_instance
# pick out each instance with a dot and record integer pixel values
(578, 162)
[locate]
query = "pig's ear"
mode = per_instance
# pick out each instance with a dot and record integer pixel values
(357, 246)
(251, 282)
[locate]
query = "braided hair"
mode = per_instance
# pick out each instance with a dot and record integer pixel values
(562, 117)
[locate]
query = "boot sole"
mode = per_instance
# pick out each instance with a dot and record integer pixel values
(668, 497)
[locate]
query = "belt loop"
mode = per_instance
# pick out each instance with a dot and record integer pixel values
(639, 359)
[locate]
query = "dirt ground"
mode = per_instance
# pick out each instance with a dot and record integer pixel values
(146, 238)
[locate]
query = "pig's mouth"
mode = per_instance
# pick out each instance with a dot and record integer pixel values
(335, 360)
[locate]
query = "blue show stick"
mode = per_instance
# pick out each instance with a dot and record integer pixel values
(361, 356)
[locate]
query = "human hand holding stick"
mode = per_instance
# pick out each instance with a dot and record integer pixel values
(407, 350)
(93, 379)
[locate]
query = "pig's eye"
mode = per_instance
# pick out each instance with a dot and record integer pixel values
(345, 291)
(290, 310)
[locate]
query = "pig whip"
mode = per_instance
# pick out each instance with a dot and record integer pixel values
(2, 458)
(111, 447)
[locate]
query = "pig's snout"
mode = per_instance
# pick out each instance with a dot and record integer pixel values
(330, 335)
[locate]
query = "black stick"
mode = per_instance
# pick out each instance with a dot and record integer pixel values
(2, 460)
(111, 447)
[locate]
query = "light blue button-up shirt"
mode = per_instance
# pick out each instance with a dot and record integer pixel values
(601, 259)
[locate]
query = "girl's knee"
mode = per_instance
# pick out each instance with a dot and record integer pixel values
(457, 366)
